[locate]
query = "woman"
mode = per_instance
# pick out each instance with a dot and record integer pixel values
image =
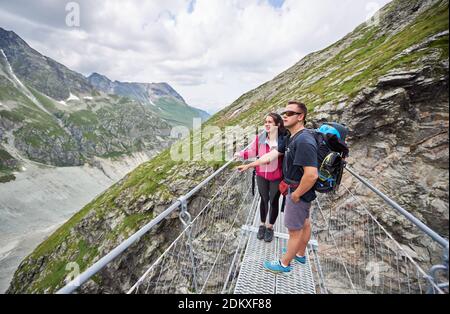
(268, 176)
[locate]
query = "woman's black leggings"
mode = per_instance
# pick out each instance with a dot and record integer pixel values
(270, 195)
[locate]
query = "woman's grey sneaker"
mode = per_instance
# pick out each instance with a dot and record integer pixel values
(268, 237)
(261, 232)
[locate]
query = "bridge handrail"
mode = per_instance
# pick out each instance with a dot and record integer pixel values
(100, 264)
(436, 237)
(432, 276)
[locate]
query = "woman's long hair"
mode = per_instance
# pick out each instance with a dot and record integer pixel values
(278, 122)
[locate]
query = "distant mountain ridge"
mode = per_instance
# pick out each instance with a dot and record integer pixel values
(160, 97)
(40, 72)
(55, 116)
(59, 82)
(140, 91)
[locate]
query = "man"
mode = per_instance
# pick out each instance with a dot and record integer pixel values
(300, 170)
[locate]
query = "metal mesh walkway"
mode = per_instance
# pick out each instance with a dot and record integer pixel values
(254, 279)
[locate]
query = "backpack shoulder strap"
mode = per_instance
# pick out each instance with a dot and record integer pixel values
(291, 140)
(317, 136)
(257, 146)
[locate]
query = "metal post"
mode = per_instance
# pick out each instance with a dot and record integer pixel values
(314, 246)
(186, 219)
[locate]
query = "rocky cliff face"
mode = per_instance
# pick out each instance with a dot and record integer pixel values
(387, 81)
(7, 164)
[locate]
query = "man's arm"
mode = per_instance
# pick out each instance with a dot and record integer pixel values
(266, 159)
(310, 176)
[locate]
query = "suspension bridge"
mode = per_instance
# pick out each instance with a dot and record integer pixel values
(216, 249)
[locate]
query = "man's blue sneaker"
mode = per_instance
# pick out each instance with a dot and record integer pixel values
(276, 267)
(301, 260)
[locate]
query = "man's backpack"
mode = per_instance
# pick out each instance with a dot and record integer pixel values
(332, 150)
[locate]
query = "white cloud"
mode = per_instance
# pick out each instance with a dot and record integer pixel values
(210, 51)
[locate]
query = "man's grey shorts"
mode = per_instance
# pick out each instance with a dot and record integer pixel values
(295, 214)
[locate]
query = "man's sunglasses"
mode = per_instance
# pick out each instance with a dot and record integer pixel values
(290, 113)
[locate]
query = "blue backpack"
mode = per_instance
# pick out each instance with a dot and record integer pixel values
(332, 150)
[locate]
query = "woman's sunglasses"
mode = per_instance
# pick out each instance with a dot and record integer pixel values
(290, 113)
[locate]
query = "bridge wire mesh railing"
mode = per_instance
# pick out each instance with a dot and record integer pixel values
(356, 254)
(204, 257)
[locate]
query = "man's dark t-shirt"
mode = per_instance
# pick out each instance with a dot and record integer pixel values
(301, 152)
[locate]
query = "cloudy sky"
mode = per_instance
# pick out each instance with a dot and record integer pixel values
(210, 51)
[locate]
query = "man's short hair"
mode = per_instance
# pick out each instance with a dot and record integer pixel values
(301, 106)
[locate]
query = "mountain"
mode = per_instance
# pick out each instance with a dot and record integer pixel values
(62, 142)
(39, 72)
(54, 116)
(387, 81)
(159, 97)
(144, 92)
